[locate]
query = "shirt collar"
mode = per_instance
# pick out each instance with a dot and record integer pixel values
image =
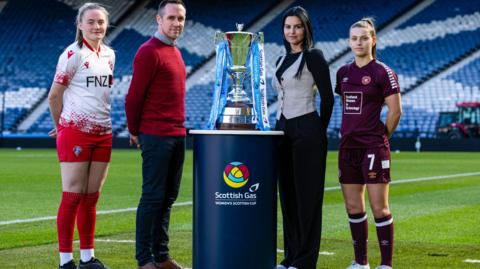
(164, 39)
(90, 47)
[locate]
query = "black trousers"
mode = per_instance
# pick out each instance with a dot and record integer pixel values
(303, 153)
(162, 171)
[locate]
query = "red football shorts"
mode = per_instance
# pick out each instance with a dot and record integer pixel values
(77, 146)
(364, 166)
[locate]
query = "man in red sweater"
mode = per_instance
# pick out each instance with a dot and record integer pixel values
(155, 108)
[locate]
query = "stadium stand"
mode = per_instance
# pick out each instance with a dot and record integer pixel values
(420, 50)
(116, 8)
(30, 51)
(331, 22)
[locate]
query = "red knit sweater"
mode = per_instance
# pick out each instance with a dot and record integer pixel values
(155, 103)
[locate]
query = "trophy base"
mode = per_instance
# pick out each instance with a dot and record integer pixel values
(235, 126)
(237, 116)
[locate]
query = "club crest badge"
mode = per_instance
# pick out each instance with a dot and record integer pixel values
(366, 80)
(77, 150)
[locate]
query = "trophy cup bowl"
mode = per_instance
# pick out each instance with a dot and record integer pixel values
(238, 112)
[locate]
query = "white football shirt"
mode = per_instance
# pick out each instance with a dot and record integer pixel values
(88, 76)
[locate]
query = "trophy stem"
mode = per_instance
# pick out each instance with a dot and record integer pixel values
(238, 94)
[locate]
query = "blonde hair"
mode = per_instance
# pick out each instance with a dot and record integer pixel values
(81, 12)
(369, 23)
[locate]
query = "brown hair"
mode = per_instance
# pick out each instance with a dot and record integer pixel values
(369, 23)
(81, 12)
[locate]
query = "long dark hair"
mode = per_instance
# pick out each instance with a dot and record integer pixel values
(308, 41)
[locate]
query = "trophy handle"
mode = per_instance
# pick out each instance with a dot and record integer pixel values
(259, 37)
(219, 37)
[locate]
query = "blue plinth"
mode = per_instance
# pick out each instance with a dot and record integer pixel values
(235, 204)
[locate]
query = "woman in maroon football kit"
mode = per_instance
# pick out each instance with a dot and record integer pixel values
(365, 85)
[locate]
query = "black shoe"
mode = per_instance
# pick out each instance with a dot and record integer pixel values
(94, 263)
(68, 265)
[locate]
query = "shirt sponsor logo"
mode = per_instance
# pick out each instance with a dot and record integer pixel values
(385, 164)
(98, 81)
(353, 102)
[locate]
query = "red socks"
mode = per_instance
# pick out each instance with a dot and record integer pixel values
(83, 208)
(66, 220)
(359, 229)
(86, 219)
(385, 238)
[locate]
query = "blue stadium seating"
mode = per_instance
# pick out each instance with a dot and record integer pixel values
(424, 57)
(29, 55)
(42, 125)
(332, 19)
(218, 13)
(441, 9)
(126, 45)
(469, 74)
(30, 49)
(331, 22)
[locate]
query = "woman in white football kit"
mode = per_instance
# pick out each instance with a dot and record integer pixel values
(80, 106)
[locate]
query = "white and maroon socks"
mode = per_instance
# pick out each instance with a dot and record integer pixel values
(359, 229)
(385, 238)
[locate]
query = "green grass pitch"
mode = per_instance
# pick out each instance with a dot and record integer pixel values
(437, 221)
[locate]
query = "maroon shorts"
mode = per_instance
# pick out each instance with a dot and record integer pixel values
(364, 166)
(77, 146)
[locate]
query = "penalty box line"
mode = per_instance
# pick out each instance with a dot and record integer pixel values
(131, 209)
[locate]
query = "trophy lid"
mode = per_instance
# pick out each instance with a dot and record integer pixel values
(239, 30)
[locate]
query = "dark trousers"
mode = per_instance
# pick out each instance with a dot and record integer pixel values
(162, 171)
(303, 153)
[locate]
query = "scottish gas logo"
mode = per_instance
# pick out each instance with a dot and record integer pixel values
(236, 175)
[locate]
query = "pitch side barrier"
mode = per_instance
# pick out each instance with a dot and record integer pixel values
(24, 141)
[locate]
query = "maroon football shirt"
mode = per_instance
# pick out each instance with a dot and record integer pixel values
(363, 91)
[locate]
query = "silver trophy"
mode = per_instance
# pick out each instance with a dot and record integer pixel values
(238, 113)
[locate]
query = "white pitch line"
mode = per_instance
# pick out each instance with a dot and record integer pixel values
(419, 179)
(130, 209)
(114, 241)
(133, 241)
(321, 252)
(472, 261)
(100, 212)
